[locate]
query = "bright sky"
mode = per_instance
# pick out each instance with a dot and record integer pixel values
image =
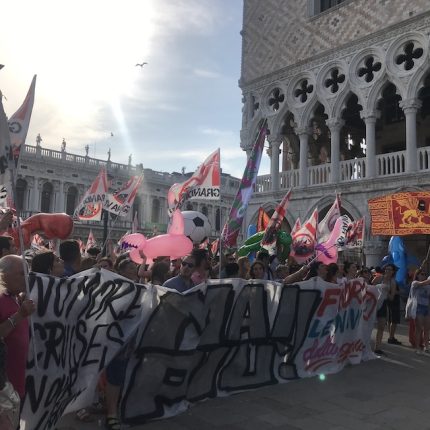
(170, 113)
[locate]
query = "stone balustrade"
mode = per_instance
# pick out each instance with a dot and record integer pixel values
(393, 163)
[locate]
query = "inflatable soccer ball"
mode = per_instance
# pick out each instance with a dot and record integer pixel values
(197, 226)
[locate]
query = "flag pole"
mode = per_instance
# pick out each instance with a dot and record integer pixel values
(24, 262)
(220, 220)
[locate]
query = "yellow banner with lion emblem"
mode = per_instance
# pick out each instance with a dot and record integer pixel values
(400, 214)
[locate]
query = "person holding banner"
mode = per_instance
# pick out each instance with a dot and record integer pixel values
(14, 310)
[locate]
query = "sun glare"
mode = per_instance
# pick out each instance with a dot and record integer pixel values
(84, 52)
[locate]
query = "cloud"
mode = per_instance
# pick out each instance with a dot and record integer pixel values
(202, 73)
(192, 16)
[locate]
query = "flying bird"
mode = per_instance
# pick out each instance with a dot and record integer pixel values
(141, 64)
(1, 66)
(111, 134)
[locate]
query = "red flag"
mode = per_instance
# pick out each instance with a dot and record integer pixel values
(270, 234)
(262, 220)
(203, 185)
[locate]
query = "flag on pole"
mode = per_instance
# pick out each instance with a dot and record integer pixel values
(20, 121)
(262, 220)
(203, 185)
(91, 206)
(270, 235)
(135, 224)
(325, 227)
(5, 143)
(234, 221)
(122, 200)
(91, 241)
(354, 235)
(304, 239)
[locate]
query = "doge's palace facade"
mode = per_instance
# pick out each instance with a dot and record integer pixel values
(345, 86)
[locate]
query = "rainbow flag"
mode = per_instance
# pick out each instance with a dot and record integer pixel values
(234, 221)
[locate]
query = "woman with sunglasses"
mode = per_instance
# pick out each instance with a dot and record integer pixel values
(420, 290)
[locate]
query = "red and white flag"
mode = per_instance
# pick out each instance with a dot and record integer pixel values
(37, 241)
(91, 241)
(354, 237)
(91, 206)
(304, 239)
(20, 121)
(203, 185)
(326, 225)
(122, 200)
(270, 235)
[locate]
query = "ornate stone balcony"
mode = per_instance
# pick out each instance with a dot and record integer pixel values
(390, 164)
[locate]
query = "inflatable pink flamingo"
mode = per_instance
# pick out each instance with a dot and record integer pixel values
(174, 244)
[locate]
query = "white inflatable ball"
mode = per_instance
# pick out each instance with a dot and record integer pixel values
(197, 226)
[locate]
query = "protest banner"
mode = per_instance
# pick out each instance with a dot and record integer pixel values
(216, 339)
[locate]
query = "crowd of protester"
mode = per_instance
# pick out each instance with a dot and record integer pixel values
(179, 274)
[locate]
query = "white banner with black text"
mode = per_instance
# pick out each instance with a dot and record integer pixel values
(216, 339)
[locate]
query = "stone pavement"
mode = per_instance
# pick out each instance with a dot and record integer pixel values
(392, 392)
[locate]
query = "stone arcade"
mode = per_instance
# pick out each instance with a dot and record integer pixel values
(345, 86)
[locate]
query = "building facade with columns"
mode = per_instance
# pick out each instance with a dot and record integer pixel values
(51, 180)
(345, 87)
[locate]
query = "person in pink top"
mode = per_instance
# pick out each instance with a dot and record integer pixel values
(14, 310)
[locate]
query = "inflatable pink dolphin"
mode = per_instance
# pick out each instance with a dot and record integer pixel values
(174, 244)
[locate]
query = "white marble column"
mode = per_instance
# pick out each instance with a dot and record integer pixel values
(34, 204)
(335, 125)
(61, 199)
(303, 134)
(274, 146)
(410, 108)
(370, 121)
